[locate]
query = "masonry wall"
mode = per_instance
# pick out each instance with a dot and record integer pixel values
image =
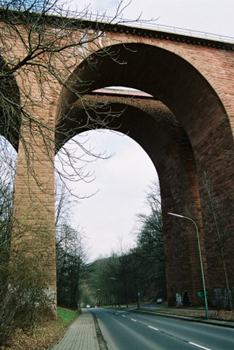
(194, 79)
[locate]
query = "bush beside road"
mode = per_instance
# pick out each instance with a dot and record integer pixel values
(46, 334)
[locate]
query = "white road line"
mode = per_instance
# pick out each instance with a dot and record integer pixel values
(199, 346)
(123, 316)
(156, 329)
(133, 320)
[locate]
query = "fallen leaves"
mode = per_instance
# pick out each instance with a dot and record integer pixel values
(44, 336)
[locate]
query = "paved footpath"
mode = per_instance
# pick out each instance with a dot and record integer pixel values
(81, 335)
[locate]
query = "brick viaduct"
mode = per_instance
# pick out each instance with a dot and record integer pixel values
(186, 127)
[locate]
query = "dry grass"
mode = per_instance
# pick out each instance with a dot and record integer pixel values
(40, 340)
(44, 336)
(224, 315)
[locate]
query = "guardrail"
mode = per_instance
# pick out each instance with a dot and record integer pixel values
(152, 25)
(86, 15)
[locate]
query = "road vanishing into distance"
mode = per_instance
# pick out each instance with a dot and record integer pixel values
(123, 330)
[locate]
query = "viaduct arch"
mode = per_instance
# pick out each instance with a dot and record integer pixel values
(177, 138)
(186, 128)
(155, 128)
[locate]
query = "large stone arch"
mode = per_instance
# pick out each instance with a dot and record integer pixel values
(162, 138)
(204, 143)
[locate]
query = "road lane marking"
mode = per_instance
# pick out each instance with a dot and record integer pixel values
(156, 329)
(199, 346)
(123, 316)
(133, 320)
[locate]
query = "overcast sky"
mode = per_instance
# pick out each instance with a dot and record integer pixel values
(214, 16)
(108, 219)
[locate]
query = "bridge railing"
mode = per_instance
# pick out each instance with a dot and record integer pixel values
(188, 32)
(86, 15)
(153, 25)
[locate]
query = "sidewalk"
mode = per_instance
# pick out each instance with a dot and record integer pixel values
(81, 335)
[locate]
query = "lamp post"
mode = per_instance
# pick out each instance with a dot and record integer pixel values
(200, 256)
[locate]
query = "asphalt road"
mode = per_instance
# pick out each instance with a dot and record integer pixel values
(124, 330)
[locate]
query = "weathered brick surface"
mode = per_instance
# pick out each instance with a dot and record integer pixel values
(194, 79)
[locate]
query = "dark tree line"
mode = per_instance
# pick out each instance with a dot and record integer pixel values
(70, 253)
(69, 268)
(135, 275)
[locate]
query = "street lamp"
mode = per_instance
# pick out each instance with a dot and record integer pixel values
(200, 256)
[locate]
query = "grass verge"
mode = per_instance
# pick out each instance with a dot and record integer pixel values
(66, 316)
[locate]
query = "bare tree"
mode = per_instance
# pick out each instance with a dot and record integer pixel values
(150, 236)
(22, 287)
(219, 224)
(41, 46)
